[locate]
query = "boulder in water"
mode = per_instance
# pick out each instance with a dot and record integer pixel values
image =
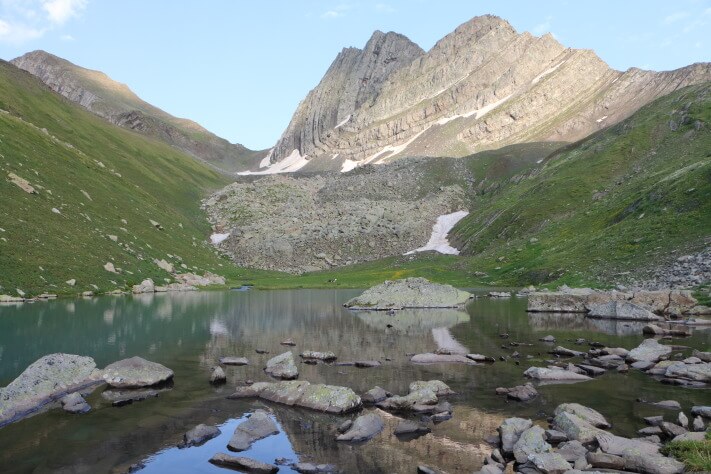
(409, 293)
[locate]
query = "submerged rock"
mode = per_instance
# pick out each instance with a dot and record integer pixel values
(119, 398)
(74, 403)
(408, 427)
(282, 366)
(234, 361)
(46, 380)
(243, 464)
(258, 426)
(554, 375)
(136, 372)
(327, 398)
(324, 356)
(409, 293)
(364, 427)
(311, 468)
(431, 358)
(374, 395)
(199, 435)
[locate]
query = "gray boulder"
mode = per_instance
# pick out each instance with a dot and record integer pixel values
(531, 441)
(703, 411)
(46, 380)
(576, 428)
(698, 372)
(311, 468)
(364, 427)
(374, 395)
(120, 397)
(74, 403)
(549, 463)
(136, 372)
(244, 464)
(408, 427)
(572, 451)
(411, 401)
(437, 386)
(258, 426)
(649, 350)
(282, 366)
(522, 393)
(409, 293)
(326, 398)
(199, 435)
(510, 431)
(217, 375)
(622, 310)
(606, 461)
(593, 417)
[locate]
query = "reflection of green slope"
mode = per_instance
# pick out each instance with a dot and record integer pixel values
(414, 321)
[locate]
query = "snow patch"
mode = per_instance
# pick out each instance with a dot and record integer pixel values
(546, 72)
(478, 113)
(343, 122)
(349, 165)
(438, 240)
(335, 156)
(266, 161)
(217, 238)
(601, 119)
(291, 163)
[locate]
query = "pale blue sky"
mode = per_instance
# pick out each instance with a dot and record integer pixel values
(240, 68)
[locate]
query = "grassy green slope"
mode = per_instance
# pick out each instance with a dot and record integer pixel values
(628, 198)
(104, 181)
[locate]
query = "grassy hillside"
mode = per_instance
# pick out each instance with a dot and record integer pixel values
(98, 187)
(602, 210)
(118, 104)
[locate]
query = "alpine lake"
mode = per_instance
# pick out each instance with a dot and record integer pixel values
(189, 332)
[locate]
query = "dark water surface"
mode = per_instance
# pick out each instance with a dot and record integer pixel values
(189, 332)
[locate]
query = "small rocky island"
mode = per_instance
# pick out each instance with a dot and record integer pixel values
(409, 293)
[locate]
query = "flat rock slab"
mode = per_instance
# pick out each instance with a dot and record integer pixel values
(316, 355)
(311, 468)
(234, 361)
(554, 375)
(593, 417)
(409, 293)
(46, 380)
(136, 372)
(437, 386)
(199, 435)
(431, 358)
(326, 398)
(282, 366)
(408, 427)
(258, 426)
(649, 351)
(243, 464)
(364, 427)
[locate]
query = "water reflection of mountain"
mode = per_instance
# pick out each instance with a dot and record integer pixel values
(579, 322)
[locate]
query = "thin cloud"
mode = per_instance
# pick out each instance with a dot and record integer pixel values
(674, 17)
(384, 8)
(66, 38)
(337, 12)
(26, 20)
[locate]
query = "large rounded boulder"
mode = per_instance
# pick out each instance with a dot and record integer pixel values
(136, 372)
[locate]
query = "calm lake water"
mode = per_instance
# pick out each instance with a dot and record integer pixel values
(189, 332)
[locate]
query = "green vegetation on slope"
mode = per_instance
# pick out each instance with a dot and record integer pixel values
(626, 199)
(695, 454)
(97, 189)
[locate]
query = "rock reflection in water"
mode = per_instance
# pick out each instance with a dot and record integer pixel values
(579, 322)
(413, 321)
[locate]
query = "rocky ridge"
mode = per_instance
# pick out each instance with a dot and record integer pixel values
(482, 86)
(116, 103)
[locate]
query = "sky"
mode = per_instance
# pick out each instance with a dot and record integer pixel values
(240, 68)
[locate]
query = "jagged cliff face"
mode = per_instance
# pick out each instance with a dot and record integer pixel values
(116, 103)
(353, 81)
(481, 87)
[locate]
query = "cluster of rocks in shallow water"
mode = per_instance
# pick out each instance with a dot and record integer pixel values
(577, 440)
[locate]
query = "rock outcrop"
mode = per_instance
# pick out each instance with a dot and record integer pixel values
(46, 380)
(482, 86)
(409, 293)
(136, 372)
